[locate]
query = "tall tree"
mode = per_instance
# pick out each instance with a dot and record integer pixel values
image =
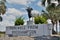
(53, 11)
(56, 11)
(2, 8)
(53, 14)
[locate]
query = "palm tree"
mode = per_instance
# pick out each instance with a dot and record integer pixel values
(2, 8)
(53, 14)
(49, 16)
(57, 12)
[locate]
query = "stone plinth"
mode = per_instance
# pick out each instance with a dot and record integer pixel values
(30, 22)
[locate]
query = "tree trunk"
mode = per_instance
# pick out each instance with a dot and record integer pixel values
(57, 26)
(54, 28)
(46, 3)
(53, 24)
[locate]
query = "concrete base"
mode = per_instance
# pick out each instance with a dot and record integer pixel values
(30, 22)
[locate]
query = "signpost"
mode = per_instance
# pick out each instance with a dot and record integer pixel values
(29, 30)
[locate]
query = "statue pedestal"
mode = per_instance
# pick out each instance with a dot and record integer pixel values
(30, 22)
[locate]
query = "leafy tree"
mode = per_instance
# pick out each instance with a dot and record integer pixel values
(40, 20)
(19, 21)
(2, 8)
(53, 12)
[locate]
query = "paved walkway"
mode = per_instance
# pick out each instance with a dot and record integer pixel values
(56, 35)
(17, 38)
(53, 37)
(47, 38)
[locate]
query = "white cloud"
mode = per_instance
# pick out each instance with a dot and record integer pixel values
(23, 2)
(14, 12)
(7, 20)
(9, 17)
(39, 3)
(5, 23)
(49, 21)
(35, 13)
(11, 14)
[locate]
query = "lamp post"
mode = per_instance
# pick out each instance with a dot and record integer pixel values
(29, 9)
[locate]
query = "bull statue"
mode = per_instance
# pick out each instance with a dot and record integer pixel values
(29, 9)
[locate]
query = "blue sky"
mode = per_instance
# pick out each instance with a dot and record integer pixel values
(16, 8)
